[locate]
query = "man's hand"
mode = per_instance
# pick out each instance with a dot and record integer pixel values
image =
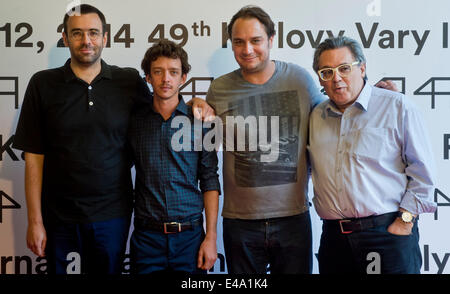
(37, 239)
(388, 85)
(398, 227)
(201, 109)
(207, 254)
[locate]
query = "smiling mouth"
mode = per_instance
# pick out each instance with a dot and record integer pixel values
(249, 58)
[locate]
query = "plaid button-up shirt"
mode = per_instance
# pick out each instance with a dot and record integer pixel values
(167, 181)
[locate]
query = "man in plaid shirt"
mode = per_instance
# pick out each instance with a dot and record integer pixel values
(168, 234)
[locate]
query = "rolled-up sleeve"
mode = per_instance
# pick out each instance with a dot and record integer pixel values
(208, 169)
(420, 165)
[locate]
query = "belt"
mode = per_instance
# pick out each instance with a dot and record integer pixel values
(167, 228)
(348, 226)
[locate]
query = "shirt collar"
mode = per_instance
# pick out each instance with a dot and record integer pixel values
(181, 107)
(364, 96)
(105, 71)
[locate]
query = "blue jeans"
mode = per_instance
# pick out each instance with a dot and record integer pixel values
(152, 251)
(100, 246)
(353, 253)
(279, 245)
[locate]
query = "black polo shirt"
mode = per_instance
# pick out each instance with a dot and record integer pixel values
(81, 130)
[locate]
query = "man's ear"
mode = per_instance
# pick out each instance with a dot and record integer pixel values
(148, 78)
(105, 39)
(271, 41)
(66, 41)
(363, 70)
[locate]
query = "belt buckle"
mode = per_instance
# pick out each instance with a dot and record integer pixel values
(172, 223)
(342, 229)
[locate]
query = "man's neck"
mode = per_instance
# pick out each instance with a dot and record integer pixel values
(165, 107)
(86, 73)
(260, 77)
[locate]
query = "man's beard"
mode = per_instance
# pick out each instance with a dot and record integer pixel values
(86, 59)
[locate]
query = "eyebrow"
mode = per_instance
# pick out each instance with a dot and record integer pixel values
(329, 66)
(78, 29)
(251, 38)
(171, 68)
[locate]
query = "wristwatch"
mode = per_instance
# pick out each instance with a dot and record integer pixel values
(406, 217)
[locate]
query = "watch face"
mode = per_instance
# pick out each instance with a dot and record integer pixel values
(407, 217)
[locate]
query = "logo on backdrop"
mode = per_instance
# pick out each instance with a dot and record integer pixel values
(9, 86)
(6, 202)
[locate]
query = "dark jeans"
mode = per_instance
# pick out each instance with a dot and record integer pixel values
(281, 245)
(152, 251)
(99, 247)
(371, 251)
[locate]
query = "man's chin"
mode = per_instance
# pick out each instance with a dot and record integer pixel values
(250, 68)
(164, 97)
(87, 60)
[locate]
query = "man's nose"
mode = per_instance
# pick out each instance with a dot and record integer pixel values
(248, 48)
(85, 38)
(337, 77)
(165, 76)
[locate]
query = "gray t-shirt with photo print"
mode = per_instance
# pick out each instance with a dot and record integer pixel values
(265, 167)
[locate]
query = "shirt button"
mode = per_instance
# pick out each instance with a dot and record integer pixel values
(91, 103)
(90, 87)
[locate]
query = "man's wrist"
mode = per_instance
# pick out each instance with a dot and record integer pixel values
(211, 236)
(406, 217)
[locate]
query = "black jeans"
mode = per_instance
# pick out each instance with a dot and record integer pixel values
(373, 250)
(281, 245)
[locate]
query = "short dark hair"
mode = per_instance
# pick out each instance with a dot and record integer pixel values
(85, 9)
(168, 49)
(252, 11)
(336, 43)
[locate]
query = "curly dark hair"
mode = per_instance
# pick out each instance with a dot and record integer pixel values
(168, 49)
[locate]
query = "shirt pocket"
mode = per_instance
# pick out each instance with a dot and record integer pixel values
(374, 143)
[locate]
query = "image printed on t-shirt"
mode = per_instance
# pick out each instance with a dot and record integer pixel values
(270, 124)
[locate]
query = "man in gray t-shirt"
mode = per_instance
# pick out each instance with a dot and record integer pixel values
(265, 107)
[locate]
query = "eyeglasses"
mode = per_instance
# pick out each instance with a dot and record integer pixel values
(77, 35)
(344, 70)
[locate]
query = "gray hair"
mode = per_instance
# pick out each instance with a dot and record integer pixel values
(336, 43)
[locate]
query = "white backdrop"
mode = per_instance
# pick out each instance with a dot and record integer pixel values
(407, 41)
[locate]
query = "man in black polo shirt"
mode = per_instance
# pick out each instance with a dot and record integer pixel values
(73, 127)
